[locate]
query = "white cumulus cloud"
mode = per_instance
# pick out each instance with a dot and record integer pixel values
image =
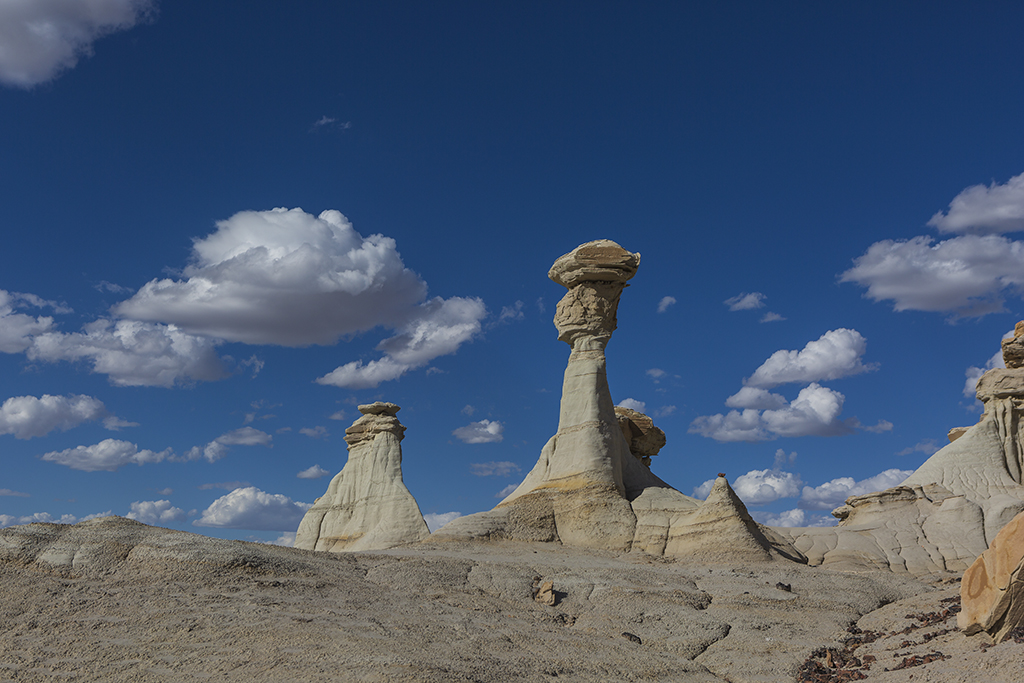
(484, 431)
(814, 412)
(17, 329)
(834, 493)
(966, 276)
(758, 487)
(251, 508)
(286, 539)
(107, 455)
(314, 472)
(789, 518)
(155, 512)
(283, 277)
(632, 404)
(436, 520)
(28, 416)
(732, 426)
(133, 353)
(41, 38)
(758, 399)
(981, 208)
(835, 354)
(665, 302)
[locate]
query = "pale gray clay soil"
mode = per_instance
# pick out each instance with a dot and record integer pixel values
(115, 600)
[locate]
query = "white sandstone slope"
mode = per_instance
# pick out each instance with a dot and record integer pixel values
(367, 506)
(588, 488)
(948, 511)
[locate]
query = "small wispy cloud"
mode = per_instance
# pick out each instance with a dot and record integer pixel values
(494, 469)
(665, 302)
(506, 491)
(318, 432)
(329, 122)
(745, 301)
(927, 446)
(513, 312)
(770, 317)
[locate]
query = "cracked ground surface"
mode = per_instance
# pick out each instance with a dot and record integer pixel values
(115, 600)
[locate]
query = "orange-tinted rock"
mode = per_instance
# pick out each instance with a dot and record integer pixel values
(992, 589)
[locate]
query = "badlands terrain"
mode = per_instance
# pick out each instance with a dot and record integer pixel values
(115, 600)
(593, 569)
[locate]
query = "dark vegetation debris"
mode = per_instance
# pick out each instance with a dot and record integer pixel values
(832, 665)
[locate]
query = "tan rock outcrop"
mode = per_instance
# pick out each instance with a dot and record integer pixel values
(644, 439)
(955, 433)
(367, 505)
(919, 530)
(945, 513)
(1013, 349)
(592, 485)
(992, 589)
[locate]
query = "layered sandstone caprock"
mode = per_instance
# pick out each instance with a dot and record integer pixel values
(992, 590)
(644, 439)
(367, 506)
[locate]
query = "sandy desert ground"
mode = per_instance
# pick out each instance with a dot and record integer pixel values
(115, 600)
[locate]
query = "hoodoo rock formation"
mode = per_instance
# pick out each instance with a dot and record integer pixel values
(947, 512)
(591, 487)
(367, 506)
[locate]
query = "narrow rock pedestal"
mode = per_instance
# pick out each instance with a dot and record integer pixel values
(366, 506)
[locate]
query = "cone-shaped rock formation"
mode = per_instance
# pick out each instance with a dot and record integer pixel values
(367, 506)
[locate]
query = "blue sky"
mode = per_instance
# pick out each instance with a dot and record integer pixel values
(226, 224)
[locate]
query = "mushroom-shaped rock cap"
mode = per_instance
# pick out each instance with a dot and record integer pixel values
(379, 408)
(1013, 349)
(601, 260)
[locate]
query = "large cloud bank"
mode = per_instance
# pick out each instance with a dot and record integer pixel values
(968, 275)
(41, 38)
(281, 277)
